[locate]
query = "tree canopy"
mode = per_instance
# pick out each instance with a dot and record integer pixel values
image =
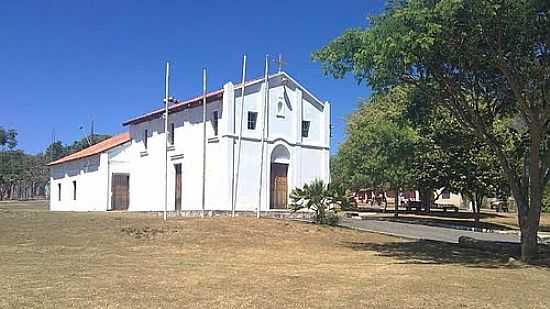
(8, 138)
(487, 62)
(23, 175)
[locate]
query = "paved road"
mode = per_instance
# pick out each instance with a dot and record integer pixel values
(418, 231)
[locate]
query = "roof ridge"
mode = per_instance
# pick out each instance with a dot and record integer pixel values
(197, 99)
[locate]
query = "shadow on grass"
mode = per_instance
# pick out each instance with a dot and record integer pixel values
(444, 222)
(462, 214)
(438, 253)
(442, 218)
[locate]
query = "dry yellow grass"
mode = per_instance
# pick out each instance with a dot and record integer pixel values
(124, 260)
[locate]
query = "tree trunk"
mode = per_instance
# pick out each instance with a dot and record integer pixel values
(529, 245)
(527, 191)
(426, 198)
(396, 202)
(475, 212)
(385, 201)
(477, 207)
(11, 191)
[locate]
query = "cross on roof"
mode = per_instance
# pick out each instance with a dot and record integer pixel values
(280, 62)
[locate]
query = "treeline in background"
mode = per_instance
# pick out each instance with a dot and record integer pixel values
(25, 176)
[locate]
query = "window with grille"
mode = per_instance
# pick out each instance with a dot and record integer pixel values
(252, 118)
(305, 128)
(171, 136)
(145, 137)
(215, 117)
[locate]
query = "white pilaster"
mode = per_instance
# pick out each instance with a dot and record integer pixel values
(228, 108)
(297, 160)
(228, 127)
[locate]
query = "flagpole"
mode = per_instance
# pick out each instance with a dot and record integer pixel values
(166, 81)
(204, 76)
(264, 117)
(236, 188)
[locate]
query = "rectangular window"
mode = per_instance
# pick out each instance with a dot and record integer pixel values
(305, 128)
(145, 136)
(446, 194)
(59, 192)
(252, 117)
(215, 122)
(74, 190)
(171, 134)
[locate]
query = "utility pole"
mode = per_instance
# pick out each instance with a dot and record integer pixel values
(166, 93)
(86, 136)
(264, 117)
(280, 62)
(92, 132)
(239, 146)
(204, 77)
(52, 146)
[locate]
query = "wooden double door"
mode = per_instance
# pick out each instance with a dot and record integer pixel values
(279, 186)
(120, 191)
(177, 189)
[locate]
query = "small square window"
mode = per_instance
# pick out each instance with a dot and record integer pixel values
(280, 109)
(171, 134)
(305, 128)
(252, 117)
(215, 117)
(145, 137)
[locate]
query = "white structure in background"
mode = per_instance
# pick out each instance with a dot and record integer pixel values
(127, 171)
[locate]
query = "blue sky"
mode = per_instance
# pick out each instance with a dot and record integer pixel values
(64, 63)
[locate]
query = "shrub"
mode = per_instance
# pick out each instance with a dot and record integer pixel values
(316, 196)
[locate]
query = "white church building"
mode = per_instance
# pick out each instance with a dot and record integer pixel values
(127, 171)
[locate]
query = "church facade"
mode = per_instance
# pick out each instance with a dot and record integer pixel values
(127, 172)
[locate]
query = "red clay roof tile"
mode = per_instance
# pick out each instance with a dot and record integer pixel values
(95, 149)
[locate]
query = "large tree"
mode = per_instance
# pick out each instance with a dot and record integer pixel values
(448, 156)
(486, 61)
(379, 145)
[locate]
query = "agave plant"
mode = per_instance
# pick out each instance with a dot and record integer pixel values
(315, 196)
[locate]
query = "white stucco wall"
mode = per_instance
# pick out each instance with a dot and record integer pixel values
(454, 199)
(147, 165)
(308, 158)
(90, 176)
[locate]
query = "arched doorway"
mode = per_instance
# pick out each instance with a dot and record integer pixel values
(280, 160)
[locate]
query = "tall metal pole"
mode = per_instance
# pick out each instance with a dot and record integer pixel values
(264, 117)
(92, 132)
(166, 93)
(203, 141)
(236, 184)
